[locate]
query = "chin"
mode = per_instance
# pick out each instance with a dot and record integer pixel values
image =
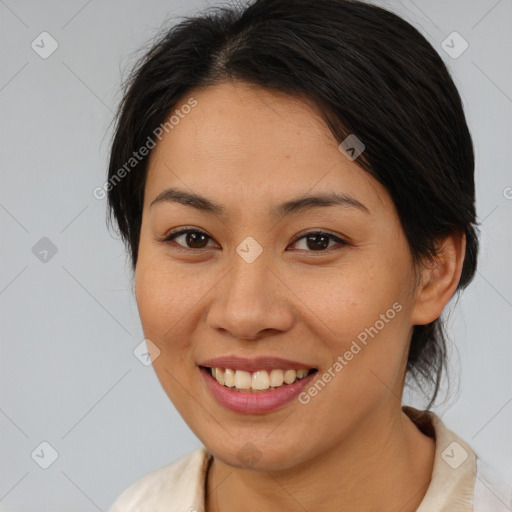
(257, 456)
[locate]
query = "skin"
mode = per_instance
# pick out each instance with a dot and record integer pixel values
(351, 447)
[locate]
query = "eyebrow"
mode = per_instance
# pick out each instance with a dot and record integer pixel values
(300, 204)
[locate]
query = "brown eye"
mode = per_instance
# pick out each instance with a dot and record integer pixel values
(318, 241)
(191, 239)
(315, 242)
(195, 240)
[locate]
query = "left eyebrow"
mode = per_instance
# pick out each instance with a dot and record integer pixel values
(326, 199)
(297, 205)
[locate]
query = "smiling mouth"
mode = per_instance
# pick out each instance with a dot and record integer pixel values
(258, 381)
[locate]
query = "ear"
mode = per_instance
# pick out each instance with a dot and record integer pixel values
(439, 279)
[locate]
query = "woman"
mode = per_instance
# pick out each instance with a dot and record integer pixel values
(294, 183)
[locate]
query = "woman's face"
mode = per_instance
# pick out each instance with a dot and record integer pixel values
(251, 284)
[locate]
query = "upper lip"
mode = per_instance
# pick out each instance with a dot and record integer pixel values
(255, 364)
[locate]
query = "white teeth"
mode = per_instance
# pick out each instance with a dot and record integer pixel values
(290, 376)
(229, 377)
(259, 380)
(242, 380)
(219, 375)
(276, 378)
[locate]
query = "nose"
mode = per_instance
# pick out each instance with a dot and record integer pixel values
(251, 301)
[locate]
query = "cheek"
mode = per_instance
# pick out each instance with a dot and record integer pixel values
(343, 302)
(361, 315)
(164, 300)
(163, 308)
(153, 299)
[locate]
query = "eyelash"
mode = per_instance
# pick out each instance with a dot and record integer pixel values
(173, 235)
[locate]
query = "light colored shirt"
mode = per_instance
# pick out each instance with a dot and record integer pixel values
(459, 482)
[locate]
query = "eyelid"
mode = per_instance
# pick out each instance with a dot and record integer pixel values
(318, 231)
(182, 230)
(340, 242)
(171, 235)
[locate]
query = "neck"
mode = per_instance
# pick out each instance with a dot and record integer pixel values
(385, 465)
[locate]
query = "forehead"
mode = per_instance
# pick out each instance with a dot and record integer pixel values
(254, 144)
(233, 119)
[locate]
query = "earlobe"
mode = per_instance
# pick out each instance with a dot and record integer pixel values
(439, 280)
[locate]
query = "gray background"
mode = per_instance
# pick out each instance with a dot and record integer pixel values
(69, 325)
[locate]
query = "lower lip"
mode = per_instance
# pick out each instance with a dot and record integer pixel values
(254, 403)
